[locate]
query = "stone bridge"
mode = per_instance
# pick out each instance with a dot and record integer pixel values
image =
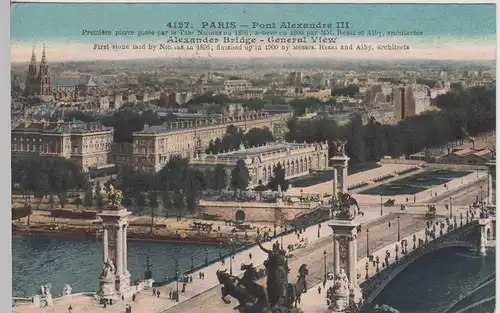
(465, 236)
(370, 275)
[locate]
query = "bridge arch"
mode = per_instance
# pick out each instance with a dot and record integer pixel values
(239, 215)
(405, 262)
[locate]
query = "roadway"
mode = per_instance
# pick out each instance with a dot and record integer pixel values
(380, 235)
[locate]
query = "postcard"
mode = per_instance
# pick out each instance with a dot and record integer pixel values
(253, 157)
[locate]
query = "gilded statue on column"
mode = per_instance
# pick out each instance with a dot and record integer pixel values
(115, 197)
(339, 147)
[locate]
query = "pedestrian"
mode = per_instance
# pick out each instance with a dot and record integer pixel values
(389, 224)
(123, 298)
(110, 301)
(250, 256)
(319, 289)
(154, 292)
(133, 298)
(158, 294)
(170, 294)
(70, 308)
(222, 261)
(190, 279)
(324, 283)
(199, 274)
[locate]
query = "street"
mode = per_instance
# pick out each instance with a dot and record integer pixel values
(379, 235)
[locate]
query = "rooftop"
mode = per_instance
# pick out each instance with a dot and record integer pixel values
(59, 127)
(76, 81)
(193, 124)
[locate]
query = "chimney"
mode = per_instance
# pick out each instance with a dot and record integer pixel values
(146, 126)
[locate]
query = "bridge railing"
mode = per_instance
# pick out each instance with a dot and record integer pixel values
(375, 283)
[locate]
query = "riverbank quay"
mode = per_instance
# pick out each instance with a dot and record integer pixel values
(171, 229)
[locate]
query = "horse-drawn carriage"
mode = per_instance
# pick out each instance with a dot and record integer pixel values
(431, 213)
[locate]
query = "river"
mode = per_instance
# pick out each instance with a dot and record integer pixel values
(78, 262)
(431, 285)
(435, 283)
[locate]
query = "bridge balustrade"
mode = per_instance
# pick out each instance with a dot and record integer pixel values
(452, 236)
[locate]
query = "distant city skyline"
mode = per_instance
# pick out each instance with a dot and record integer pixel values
(450, 32)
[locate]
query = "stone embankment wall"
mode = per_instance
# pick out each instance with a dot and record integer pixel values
(255, 211)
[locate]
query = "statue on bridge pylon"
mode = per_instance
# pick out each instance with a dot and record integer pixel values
(281, 296)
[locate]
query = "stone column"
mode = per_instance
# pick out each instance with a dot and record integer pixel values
(352, 261)
(125, 253)
(344, 185)
(105, 242)
(482, 236)
(336, 256)
(335, 183)
(119, 251)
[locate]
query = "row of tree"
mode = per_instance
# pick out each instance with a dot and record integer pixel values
(125, 121)
(460, 113)
(41, 176)
(179, 186)
(235, 137)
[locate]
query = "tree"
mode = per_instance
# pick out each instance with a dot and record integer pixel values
(166, 200)
(258, 137)
(220, 178)
(41, 187)
(78, 201)
(51, 202)
(88, 196)
(254, 104)
(240, 176)
(98, 197)
(63, 199)
(140, 200)
(153, 203)
(278, 179)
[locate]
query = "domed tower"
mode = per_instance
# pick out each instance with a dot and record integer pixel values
(43, 76)
(31, 77)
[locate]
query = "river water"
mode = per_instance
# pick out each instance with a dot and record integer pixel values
(434, 283)
(431, 285)
(78, 262)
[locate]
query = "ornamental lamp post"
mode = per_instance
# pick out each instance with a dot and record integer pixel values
(451, 210)
(397, 249)
(206, 256)
(177, 280)
(377, 261)
(192, 261)
(462, 217)
(399, 230)
(414, 241)
(366, 269)
(367, 243)
(381, 206)
(231, 257)
(324, 263)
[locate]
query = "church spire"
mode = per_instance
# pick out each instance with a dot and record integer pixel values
(33, 56)
(44, 57)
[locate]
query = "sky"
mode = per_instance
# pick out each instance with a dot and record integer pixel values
(445, 31)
